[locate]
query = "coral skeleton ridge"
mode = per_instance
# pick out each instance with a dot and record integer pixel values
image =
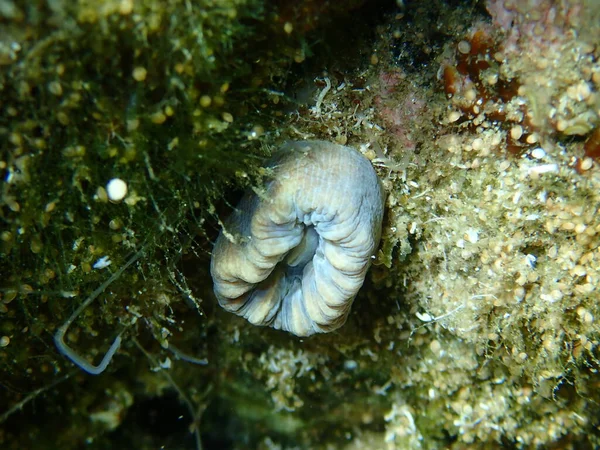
(295, 258)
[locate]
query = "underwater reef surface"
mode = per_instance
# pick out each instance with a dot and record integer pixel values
(129, 129)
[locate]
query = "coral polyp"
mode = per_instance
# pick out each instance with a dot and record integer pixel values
(295, 255)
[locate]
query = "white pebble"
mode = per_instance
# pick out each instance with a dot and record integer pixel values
(453, 116)
(350, 364)
(116, 189)
(102, 263)
(516, 132)
(544, 168)
(538, 153)
(531, 260)
(464, 47)
(586, 164)
(424, 317)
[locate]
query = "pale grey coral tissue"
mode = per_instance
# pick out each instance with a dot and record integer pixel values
(295, 256)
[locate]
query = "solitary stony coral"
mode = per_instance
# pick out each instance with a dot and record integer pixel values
(295, 257)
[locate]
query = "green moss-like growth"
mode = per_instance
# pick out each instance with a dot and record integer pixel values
(145, 92)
